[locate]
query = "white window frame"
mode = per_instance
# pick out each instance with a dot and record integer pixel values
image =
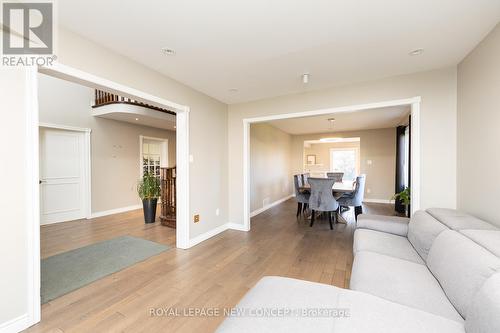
(358, 157)
(163, 154)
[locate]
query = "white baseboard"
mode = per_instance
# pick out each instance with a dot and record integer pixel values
(277, 202)
(385, 201)
(209, 234)
(15, 325)
(236, 226)
(115, 211)
(214, 232)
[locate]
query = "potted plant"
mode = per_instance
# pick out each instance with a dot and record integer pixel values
(149, 191)
(405, 197)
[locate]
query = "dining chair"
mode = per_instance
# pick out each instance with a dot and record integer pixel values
(322, 199)
(356, 197)
(305, 177)
(338, 176)
(301, 197)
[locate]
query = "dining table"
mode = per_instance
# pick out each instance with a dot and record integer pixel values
(338, 190)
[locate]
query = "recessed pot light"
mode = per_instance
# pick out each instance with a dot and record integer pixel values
(167, 51)
(136, 119)
(416, 52)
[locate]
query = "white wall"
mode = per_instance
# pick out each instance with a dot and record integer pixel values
(114, 144)
(478, 130)
(438, 127)
(270, 165)
(13, 217)
(377, 145)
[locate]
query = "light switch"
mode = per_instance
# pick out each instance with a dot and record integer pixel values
(191, 158)
(369, 162)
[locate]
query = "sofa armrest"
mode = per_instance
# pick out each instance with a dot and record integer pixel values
(391, 224)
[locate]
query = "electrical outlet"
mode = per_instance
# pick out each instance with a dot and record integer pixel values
(197, 218)
(368, 191)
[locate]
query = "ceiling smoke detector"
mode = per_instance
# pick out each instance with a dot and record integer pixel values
(167, 51)
(416, 52)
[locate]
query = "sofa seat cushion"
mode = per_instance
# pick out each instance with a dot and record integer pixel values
(362, 313)
(458, 220)
(400, 281)
(391, 224)
(384, 243)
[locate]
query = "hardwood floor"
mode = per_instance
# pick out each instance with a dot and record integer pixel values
(215, 273)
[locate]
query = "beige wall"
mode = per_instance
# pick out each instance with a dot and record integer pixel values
(114, 144)
(207, 120)
(478, 130)
(378, 146)
(207, 137)
(270, 165)
(438, 128)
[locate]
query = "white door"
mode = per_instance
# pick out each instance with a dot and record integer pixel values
(62, 175)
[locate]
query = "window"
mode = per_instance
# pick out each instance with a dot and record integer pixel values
(153, 155)
(345, 160)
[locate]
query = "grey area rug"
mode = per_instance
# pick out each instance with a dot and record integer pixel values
(74, 269)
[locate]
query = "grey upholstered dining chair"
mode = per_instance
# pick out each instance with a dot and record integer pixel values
(356, 197)
(305, 177)
(338, 176)
(322, 199)
(302, 198)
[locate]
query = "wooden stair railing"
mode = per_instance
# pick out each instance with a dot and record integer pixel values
(168, 196)
(105, 98)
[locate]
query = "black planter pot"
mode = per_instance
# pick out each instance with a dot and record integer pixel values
(149, 207)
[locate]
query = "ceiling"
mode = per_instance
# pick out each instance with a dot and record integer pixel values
(345, 121)
(137, 115)
(261, 47)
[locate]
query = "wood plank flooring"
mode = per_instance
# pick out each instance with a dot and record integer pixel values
(215, 273)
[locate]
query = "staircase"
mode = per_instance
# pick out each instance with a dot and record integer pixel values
(168, 197)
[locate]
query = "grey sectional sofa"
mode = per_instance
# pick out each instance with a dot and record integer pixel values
(438, 272)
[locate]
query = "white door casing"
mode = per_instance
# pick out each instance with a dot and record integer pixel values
(64, 175)
(64, 72)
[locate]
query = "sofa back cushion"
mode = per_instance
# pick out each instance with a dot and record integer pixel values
(484, 312)
(489, 239)
(458, 220)
(461, 266)
(422, 231)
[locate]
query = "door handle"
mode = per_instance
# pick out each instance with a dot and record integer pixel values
(41, 181)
